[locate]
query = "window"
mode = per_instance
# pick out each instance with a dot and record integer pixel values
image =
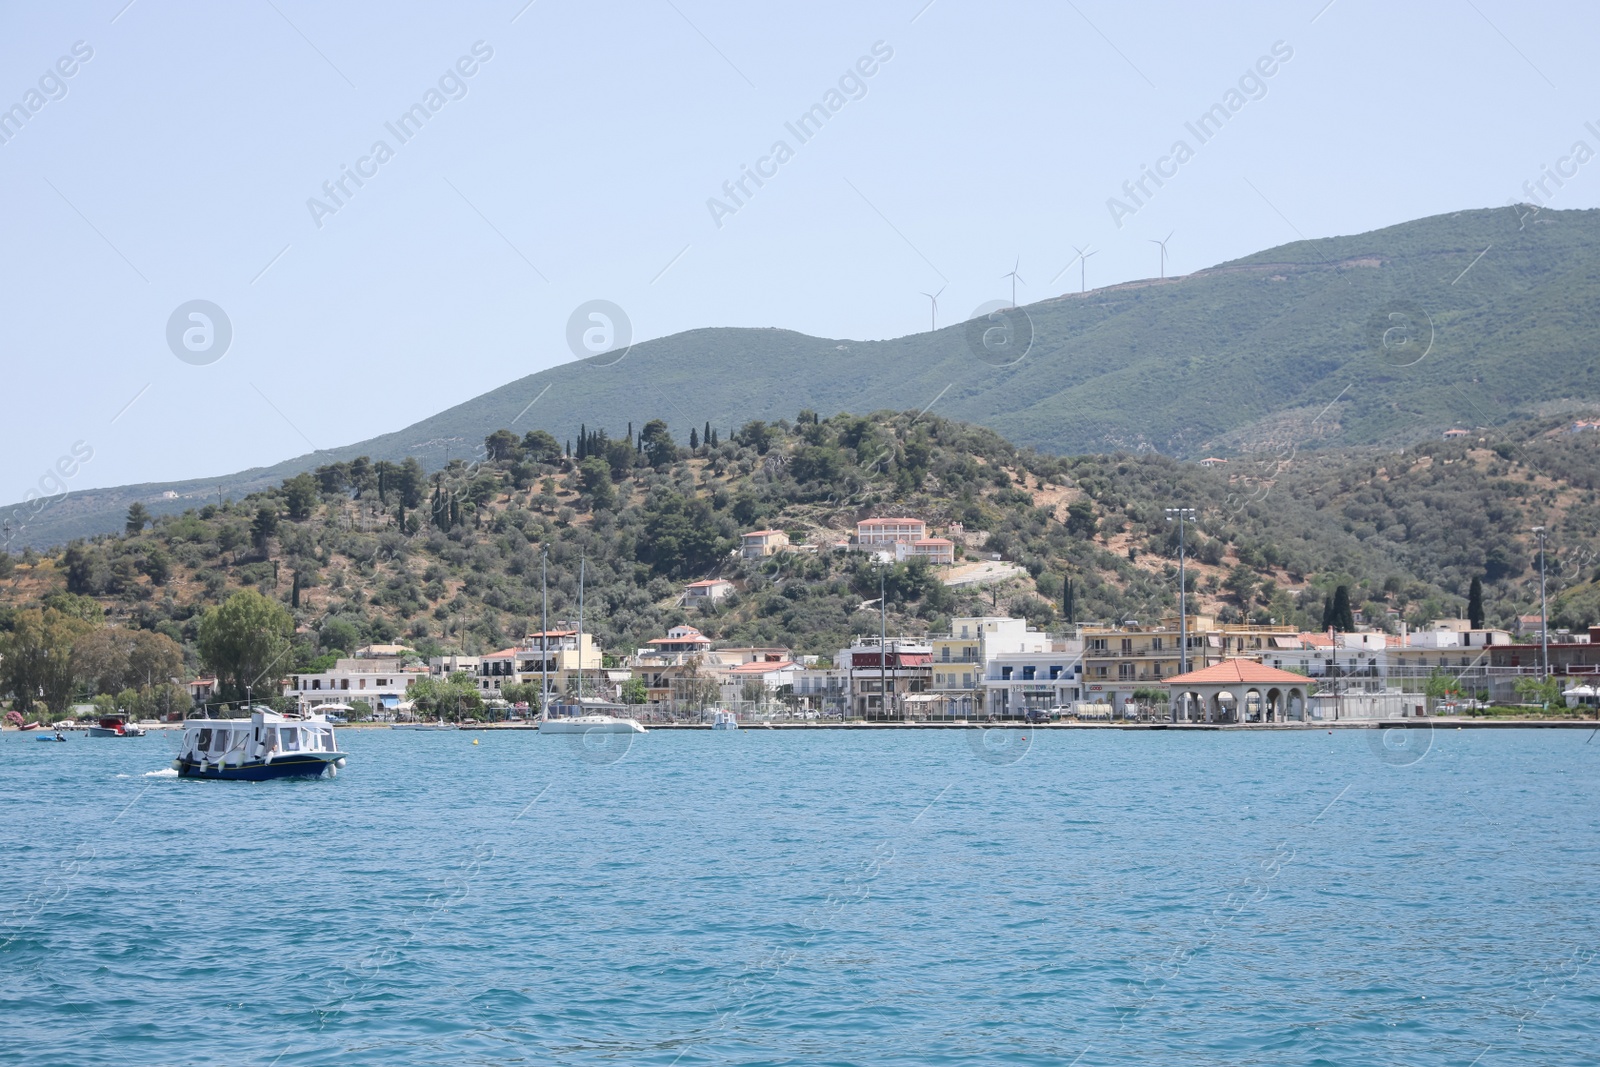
(219, 742)
(289, 738)
(203, 742)
(1027, 674)
(344, 683)
(1097, 644)
(1005, 674)
(1127, 646)
(1055, 672)
(966, 681)
(1124, 671)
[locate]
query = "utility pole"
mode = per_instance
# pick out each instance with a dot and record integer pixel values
(1183, 516)
(1544, 614)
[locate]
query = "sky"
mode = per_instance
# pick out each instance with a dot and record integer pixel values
(192, 282)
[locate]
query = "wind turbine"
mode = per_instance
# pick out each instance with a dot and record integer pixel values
(1015, 278)
(933, 311)
(1083, 263)
(1163, 244)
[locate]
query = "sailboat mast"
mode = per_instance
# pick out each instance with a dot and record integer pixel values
(582, 562)
(544, 636)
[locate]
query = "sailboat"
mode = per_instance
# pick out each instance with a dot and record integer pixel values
(588, 714)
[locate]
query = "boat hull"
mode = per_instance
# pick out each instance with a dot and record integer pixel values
(587, 725)
(299, 765)
(103, 731)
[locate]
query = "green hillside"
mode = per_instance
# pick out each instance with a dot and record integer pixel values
(377, 552)
(1279, 350)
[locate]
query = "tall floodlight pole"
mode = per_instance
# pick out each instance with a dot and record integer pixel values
(1544, 613)
(1182, 516)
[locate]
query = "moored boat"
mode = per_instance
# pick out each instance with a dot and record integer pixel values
(115, 726)
(267, 745)
(589, 715)
(722, 719)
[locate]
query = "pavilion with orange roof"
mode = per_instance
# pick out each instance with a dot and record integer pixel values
(1240, 690)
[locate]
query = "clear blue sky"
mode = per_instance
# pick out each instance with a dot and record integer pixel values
(576, 162)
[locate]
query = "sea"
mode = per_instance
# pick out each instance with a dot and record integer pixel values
(917, 897)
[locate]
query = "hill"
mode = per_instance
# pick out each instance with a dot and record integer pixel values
(1476, 318)
(378, 552)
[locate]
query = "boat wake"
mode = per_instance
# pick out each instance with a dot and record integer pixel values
(165, 772)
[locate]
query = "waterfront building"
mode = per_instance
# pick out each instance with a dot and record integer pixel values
(882, 674)
(1035, 679)
(380, 682)
(960, 659)
(1119, 660)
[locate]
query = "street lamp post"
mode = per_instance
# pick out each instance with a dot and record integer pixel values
(1182, 516)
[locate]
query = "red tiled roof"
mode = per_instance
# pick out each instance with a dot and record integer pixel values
(761, 533)
(708, 581)
(761, 667)
(934, 541)
(1238, 672)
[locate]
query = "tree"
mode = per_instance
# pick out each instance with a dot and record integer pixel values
(36, 657)
(157, 566)
(1341, 618)
(245, 640)
(1080, 518)
(300, 494)
(100, 659)
(1475, 604)
(634, 690)
(502, 446)
(755, 434)
(86, 569)
(263, 527)
(138, 519)
(657, 444)
(1241, 582)
(153, 659)
(540, 447)
(596, 476)
(694, 439)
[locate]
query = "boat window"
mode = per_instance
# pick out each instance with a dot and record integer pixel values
(290, 738)
(204, 740)
(219, 741)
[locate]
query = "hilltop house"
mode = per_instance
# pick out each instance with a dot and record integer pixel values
(759, 543)
(706, 592)
(874, 532)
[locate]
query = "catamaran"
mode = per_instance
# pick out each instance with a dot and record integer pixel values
(267, 745)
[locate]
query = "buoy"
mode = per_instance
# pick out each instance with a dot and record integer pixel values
(474, 740)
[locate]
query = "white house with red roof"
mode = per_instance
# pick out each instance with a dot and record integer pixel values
(707, 591)
(940, 551)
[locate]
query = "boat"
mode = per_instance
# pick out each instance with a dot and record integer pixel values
(722, 719)
(51, 737)
(116, 726)
(589, 715)
(29, 726)
(267, 745)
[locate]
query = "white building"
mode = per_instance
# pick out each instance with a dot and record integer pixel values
(380, 682)
(936, 550)
(1015, 683)
(708, 591)
(870, 532)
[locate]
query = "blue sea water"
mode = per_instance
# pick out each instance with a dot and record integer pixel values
(817, 897)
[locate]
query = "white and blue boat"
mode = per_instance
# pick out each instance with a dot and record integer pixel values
(267, 745)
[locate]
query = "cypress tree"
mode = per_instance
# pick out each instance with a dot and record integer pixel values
(1327, 613)
(705, 435)
(1344, 619)
(294, 591)
(1475, 604)
(694, 439)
